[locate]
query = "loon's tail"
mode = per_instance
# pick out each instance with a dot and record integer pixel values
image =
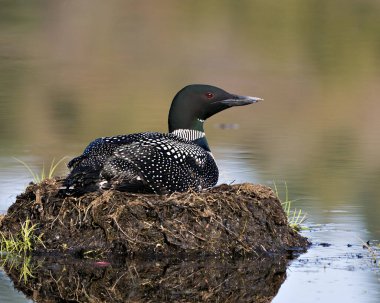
(79, 182)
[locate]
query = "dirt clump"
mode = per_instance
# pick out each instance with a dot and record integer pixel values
(239, 219)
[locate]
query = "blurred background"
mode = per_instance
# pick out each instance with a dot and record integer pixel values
(72, 71)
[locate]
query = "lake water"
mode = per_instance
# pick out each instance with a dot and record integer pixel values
(72, 71)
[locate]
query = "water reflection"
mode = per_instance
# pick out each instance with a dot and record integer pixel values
(7, 292)
(337, 268)
(212, 279)
(232, 164)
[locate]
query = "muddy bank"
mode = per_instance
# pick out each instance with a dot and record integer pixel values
(239, 219)
(210, 279)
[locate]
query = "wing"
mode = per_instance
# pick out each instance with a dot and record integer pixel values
(85, 169)
(163, 164)
(121, 174)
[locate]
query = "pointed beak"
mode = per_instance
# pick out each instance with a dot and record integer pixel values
(237, 100)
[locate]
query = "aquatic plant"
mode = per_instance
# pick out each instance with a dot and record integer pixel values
(42, 175)
(295, 216)
(373, 251)
(22, 242)
(26, 270)
(22, 264)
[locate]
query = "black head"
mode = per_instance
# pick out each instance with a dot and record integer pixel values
(195, 103)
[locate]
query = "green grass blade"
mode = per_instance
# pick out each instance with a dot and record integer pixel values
(35, 177)
(295, 217)
(53, 166)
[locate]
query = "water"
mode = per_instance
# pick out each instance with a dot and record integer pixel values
(73, 71)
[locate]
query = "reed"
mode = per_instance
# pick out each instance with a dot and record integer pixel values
(43, 174)
(22, 242)
(296, 217)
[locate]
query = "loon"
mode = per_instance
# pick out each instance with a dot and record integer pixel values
(152, 162)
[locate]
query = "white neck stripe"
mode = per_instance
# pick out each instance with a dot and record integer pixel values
(189, 134)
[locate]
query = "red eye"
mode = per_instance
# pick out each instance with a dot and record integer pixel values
(209, 95)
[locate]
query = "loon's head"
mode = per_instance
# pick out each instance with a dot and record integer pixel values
(195, 103)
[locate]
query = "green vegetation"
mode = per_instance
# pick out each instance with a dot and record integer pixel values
(93, 254)
(38, 177)
(295, 216)
(22, 242)
(26, 270)
(14, 249)
(21, 263)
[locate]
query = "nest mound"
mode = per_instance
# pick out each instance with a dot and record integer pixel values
(228, 219)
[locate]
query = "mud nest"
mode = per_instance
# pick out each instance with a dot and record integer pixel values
(228, 219)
